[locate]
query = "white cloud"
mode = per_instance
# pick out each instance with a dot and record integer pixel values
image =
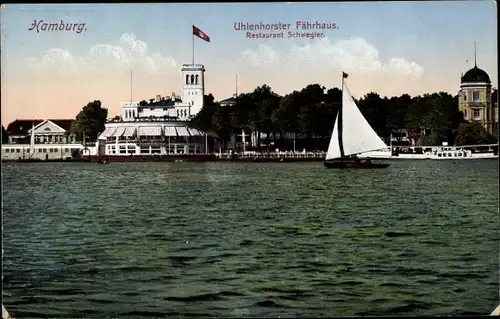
(264, 55)
(351, 55)
(130, 53)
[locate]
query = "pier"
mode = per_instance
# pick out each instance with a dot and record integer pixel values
(272, 156)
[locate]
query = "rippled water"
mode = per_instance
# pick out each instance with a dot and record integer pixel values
(234, 239)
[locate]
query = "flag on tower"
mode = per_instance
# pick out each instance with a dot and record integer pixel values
(344, 75)
(200, 34)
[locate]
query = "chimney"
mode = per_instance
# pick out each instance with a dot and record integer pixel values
(173, 96)
(158, 98)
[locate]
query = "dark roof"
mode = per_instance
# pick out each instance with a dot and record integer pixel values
(475, 75)
(21, 127)
(65, 124)
(228, 100)
(166, 102)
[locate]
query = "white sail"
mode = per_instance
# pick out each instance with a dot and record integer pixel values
(32, 140)
(357, 134)
(334, 147)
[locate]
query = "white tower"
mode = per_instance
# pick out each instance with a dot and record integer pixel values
(194, 86)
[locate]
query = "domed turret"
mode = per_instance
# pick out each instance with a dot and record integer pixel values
(476, 75)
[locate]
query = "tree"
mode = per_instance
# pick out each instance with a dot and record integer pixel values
(429, 118)
(90, 121)
(473, 133)
(203, 120)
(5, 137)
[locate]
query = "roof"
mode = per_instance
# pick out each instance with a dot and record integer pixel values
(228, 100)
(476, 75)
(165, 103)
(21, 127)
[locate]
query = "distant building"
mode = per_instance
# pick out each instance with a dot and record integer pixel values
(475, 99)
(52, 139)
(229, 101)
(46, 131)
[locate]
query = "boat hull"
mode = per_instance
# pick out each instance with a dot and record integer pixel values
(354, 164)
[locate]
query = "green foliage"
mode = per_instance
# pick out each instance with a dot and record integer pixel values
(5, 137)
(473, 134)
(311, 112)
(90, 121)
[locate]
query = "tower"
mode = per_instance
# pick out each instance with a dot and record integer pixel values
(193, 77)
(475, 97)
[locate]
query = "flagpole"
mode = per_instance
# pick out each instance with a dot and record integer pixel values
(206, 143)
(193, 45)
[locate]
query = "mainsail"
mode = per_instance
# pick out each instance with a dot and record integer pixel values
(352, 134)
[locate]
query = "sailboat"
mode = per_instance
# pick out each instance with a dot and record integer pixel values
(32, 141)
(352, 135)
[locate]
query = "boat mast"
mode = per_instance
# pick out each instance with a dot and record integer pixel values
(339, 119)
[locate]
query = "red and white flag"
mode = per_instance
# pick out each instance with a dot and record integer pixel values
(200, 34)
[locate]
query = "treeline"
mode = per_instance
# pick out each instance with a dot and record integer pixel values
(310, 113)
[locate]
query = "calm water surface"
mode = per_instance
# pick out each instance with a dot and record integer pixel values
(223, 239)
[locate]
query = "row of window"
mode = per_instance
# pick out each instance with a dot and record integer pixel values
(183, 112)
(451, 155)
(40, 150)
(129, 113)
(476, 97)
(194, 79)
(476, 115)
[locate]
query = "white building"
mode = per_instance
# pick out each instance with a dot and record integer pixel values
(160, 126)
(182, 108)
(52, 140)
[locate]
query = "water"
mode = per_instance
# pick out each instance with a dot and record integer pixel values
(234, 239)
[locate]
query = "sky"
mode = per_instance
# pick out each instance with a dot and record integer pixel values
(390, 48)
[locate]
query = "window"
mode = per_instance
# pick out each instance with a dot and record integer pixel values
(187, 79)
(196, 81)
(465, 96)
(7, 150)
(39, 150)
(477, 115)
(18, 150)
(192, 78)
(475, 96)
(465, 114)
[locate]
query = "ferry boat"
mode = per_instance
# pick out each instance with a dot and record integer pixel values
(445, 152)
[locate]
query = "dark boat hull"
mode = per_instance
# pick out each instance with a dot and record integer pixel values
(354, 164)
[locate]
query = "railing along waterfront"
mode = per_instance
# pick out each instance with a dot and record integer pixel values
(273, 155)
